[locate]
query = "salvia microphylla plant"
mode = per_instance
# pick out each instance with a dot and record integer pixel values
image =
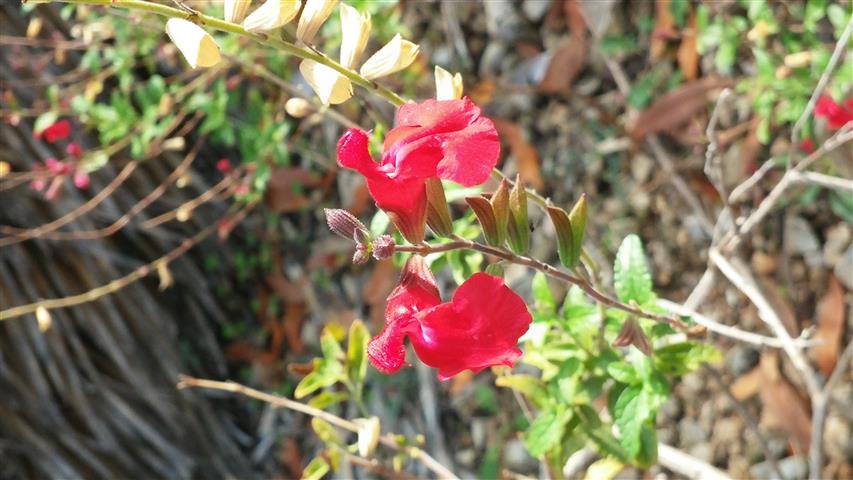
(597, 364)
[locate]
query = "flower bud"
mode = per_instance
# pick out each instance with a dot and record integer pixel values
(518, 232)
(577, 219)
(393, 57)
(272, 14)
(81, 179)
(563, 228)
(355, 31)
(297, 107)
(313, 15)
(361, 256)
(500, 206)
(368, 435)
(235, 10)
(632, 334)
(328, 84)
(196, 45)
(412, 228)
(344, 223)
(43, 318)
(383, 247)
(438, 215)
(447, 86)
(486, 215)
(495, 269)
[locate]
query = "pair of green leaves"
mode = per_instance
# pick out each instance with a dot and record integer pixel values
(335, 366)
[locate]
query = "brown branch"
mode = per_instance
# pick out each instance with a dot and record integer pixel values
(388, 439)
(551, 271)
(191, 204)
(118, 283)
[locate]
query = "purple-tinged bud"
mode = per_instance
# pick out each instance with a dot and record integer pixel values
(361, 256)
(632, 334)
(383, 247)
(344, 223)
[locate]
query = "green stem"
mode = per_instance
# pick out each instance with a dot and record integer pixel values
(222, 25)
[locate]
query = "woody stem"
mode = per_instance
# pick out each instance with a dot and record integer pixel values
(504, 254)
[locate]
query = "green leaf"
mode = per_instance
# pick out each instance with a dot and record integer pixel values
(528, 385)
(45, 120)
(379, 223)
(684, 357)
(622, 372)
(330, 346)
(356, 349)
(326, 399)
(316, 469)
(631, 275)
(542, 296)
(325, 373)
(326, 432)
(629, 414)
(648, 453)
(545, 432)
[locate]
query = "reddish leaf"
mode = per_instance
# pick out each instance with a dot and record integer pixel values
(292, 326)
(784, 408)
(675, 108)
(568, 59)
(663, 31)
(830, 327)
(526, 155)
(284, 191)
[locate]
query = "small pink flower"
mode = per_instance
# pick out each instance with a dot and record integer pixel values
(73, 149)
(807, 145)
(223, 165)
(81, 179)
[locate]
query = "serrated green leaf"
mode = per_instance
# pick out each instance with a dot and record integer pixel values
(545, 432)
(315, 469)
(542, 296)
(630, 272)
(622, 372)
(629, 414)
(356, 352)
(684, 357)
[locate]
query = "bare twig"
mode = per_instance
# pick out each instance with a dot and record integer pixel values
(688, 465)
(192, 203)
(740, 276)
(729, 331)
(116, 284)
(388, 439)
(712, 168)
(821, 180)
(820, 407)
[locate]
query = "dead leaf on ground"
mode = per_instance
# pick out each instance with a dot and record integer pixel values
(569, 58)
(747, 385)
(677, 107)
(830, 327)
(292, 327)
(664, 29)
(688, 53)
(784, 407)
(290, 457)
(526, 156)
(286, 187)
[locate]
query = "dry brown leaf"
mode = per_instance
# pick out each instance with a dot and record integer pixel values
(663, 31)
(748, 384)
(830, 327)
(688, 54)
(283, 191)
(675, 108)
(569, 58)
(784, 408)
(526, 156)
(292, 327)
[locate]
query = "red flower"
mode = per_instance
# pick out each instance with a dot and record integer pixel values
(807, 145)
(58, 131)
(836, 115)
(478, 328)
(446, 139)
(73, 149)
(223, 165)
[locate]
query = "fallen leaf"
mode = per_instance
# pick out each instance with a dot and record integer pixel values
(663, 31)
(292, 327)
(784, 408)
(526, 156)
(747, 385)
(830, 327)
(676, 107)
(688, 54)
(291, 458)
(285, 187)
(569, 57)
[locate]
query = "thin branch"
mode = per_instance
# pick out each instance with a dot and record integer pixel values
(820, 409)
(840, 49)
(117, 284)
(551, 271)
(740, 277)
(192, 203)
(388, 439)
(729, 331)
(821, 180)
(713, 169)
